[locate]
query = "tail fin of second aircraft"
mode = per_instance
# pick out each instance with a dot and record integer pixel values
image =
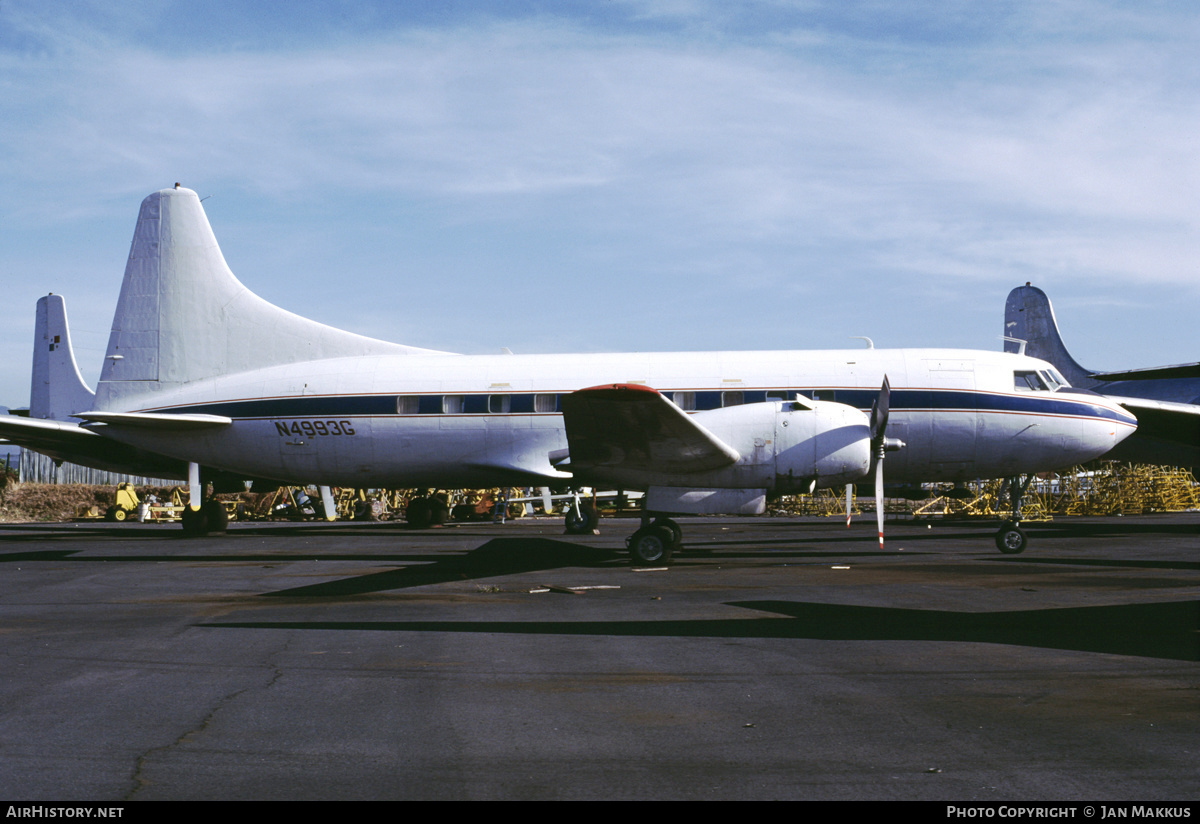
(57, 389)
(1028, 316)
(183, 316)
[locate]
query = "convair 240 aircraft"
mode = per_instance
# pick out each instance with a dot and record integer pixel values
(201, 370)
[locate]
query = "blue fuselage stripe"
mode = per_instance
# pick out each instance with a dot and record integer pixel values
(355, 406)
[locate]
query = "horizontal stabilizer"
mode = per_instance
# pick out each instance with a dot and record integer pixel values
(72, 443)
(32, 432)
(150, 420)
(635, 428)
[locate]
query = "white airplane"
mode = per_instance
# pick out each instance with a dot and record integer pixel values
(201, 370)
(1165, 399)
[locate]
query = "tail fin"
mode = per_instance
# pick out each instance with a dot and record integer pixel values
(1028, 316)
(57, 389)
(182, 315)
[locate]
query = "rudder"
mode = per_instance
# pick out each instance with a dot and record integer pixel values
(183, 316)
(1028, 316)
(57, 389)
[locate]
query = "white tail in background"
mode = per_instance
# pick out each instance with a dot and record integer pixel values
(57, 390)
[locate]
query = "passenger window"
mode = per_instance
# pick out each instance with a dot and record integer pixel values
(452, 404)
(408, 404)
(684, 400)
(545, 403)
(499, 404)
(732, 399)
(776, 395)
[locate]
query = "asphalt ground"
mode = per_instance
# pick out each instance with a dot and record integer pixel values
(777, 658)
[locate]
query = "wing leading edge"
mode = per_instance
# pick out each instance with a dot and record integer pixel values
(635, 428)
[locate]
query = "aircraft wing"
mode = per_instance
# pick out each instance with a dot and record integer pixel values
(1164, 420)
(635, 428)
(1181, 370)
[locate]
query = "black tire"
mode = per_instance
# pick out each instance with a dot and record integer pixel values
(419, 513)
(439, 512)
(195, 522)
(584, 522)
(1011, 539)
(673, 528)
(651, 546)
(216, 516)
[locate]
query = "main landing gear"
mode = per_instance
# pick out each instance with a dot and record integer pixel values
(211, 517)
(202, 516)
(655, 543)
(1011, 539)
(425, 511)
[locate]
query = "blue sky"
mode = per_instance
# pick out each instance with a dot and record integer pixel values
(623, 175)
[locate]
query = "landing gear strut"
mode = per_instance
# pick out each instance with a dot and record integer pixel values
(200, 516)
(1011, 539)
(581, 517)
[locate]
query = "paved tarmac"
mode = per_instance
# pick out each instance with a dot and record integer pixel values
(778, 658)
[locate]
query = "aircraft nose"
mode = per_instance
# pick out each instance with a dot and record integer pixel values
(1112, 423)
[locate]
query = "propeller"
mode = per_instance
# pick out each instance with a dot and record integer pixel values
(880, 446)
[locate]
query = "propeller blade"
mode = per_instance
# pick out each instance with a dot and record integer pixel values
(849, 494)
(879, 411)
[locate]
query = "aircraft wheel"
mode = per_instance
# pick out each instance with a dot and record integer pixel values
(195, 522)
(216, 516)
(672, 527)
(1011, 539)
(584, 522)
(419, 513)
(651, 545)
(439, 512)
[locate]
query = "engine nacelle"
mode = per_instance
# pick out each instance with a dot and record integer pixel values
(825, 446)
(784, 447)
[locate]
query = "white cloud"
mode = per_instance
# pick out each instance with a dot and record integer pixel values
(801, 146)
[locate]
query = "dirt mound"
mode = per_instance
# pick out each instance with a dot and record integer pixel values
(59, 502)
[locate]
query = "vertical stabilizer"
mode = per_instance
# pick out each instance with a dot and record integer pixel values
(182, 315)
(1028, 316)
(57, 389)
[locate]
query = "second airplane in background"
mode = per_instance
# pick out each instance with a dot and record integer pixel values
(1165, 399)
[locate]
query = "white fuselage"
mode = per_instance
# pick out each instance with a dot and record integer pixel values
(471, 420)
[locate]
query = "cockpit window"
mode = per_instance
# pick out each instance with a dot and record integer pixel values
(1051, 380)
(1028, 382)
